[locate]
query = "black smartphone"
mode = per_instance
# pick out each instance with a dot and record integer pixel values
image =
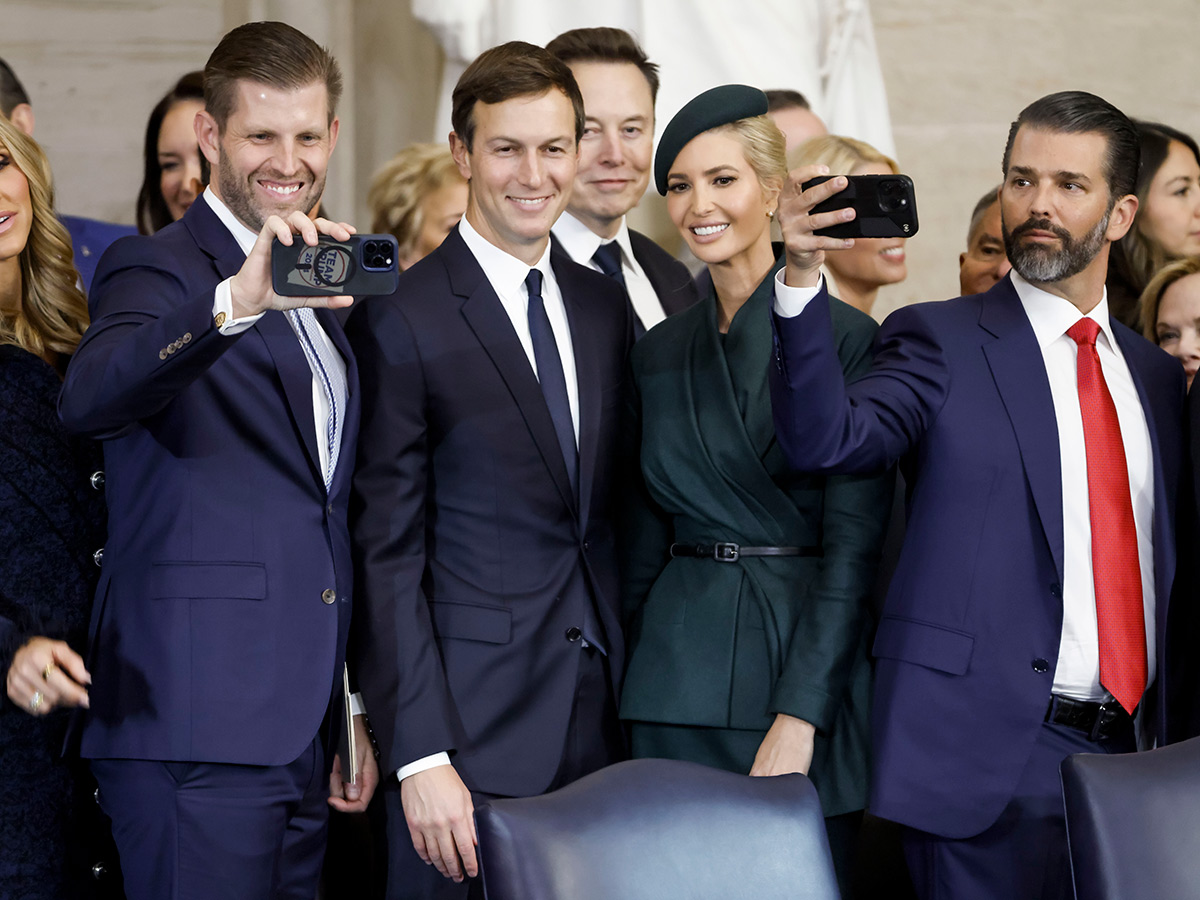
(886, 206)
(364, 266)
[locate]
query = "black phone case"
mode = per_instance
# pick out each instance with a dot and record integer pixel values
(366, 265)
(886, 206)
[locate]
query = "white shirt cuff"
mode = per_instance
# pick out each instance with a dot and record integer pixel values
(223, 303)
(420, 765)
(357, 707)
(790, 301)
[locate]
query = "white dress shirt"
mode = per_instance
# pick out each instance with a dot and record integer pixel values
(506, 274)
(1078, 672)
(581, 244)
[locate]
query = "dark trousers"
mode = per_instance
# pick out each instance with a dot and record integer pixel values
(196, 831)
(594, 740)
(1023, 855)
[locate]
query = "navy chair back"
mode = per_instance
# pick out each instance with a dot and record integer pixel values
(656, 829)
(1133, 823)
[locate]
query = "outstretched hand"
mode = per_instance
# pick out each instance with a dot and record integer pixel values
(251, 289)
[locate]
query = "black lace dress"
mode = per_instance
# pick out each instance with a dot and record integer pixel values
(51, 522)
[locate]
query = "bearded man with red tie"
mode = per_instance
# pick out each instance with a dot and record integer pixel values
(1042, 447)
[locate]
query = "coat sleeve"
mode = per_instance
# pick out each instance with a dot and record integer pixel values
(398, 664)
(835, 617)
(825, 426)
(152, 335)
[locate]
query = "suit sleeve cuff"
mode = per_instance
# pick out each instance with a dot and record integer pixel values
(420, 765)
(790, 301)
(223, 313)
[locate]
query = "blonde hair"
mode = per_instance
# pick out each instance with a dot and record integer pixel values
(401, 186)
(764, 146)
(1151, 298)
(842, 154)
(52, 314)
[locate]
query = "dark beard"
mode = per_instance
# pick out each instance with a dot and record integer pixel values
(236, 193)
(1039, 264)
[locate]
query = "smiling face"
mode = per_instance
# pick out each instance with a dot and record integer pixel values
(16, 211)
(520, 168)
(985, 262)
(871, 262)
(1055, 205)
(272, 156)
(617, 147)
(1177, 328)
(1170, 215)
(716, 201)
(179, 157)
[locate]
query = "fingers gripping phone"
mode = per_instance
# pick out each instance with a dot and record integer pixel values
(885, 206)
(366, 265)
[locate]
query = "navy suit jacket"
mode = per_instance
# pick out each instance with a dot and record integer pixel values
(968, 642)
(474, 561)
(221, 616)
(89, 239)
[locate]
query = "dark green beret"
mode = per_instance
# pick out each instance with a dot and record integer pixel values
(718, 106)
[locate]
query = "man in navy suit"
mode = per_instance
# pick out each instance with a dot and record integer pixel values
(619, 86)
(220, 623)
(489, 640)
(1042, 447)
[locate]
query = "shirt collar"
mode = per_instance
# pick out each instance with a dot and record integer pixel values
(244, 236)
(581, 242)
(504, 271)
(1051, 315)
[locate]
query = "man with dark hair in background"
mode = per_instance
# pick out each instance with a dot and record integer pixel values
(985, 261)
(619, 86)
(1042, 448)
(490, 643)
(793, 115)
(89, 237)
(228, 414)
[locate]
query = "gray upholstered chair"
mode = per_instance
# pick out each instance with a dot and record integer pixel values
(1133, 823)
(654, 829)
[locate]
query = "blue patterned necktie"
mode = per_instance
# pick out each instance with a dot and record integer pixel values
(550, 375)
(329, 373)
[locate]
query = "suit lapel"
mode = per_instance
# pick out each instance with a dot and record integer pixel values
(1019, 371)
(580, 319)
(487, 319)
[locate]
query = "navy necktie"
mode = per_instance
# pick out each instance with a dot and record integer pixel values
(608, 258)
(550, 374)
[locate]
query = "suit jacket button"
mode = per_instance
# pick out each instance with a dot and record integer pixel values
(574, 634)
(98, 556)
(187, 338)
(99, 870)
(1040, 665)
(162, 354)
(328, 596)
(97, 480)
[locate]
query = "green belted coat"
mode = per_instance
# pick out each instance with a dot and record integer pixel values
(729, 645)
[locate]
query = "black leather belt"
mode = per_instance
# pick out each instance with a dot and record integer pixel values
(1098, 720)
(729, 552)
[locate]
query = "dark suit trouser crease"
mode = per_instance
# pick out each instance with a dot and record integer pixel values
(594, 740)
(1023, 855)
(197, 831)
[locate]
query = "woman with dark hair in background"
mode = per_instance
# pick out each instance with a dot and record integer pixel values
(1167, 225)
(171, 171)
(51, 524)
(746, 583)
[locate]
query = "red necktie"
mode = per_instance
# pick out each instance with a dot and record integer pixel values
(1117, 574)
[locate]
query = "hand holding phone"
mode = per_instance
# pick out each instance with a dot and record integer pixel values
(885, 206)
(364, 265)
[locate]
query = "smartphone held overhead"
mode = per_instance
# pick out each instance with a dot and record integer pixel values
(366, 265)
(885, 206)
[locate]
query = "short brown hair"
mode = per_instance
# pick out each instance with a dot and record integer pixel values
(515, 69)
(269, 53)
(605, 45)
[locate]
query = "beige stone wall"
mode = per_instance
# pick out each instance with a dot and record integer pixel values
(958, 71)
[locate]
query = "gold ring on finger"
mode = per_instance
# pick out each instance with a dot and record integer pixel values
(46, 671)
